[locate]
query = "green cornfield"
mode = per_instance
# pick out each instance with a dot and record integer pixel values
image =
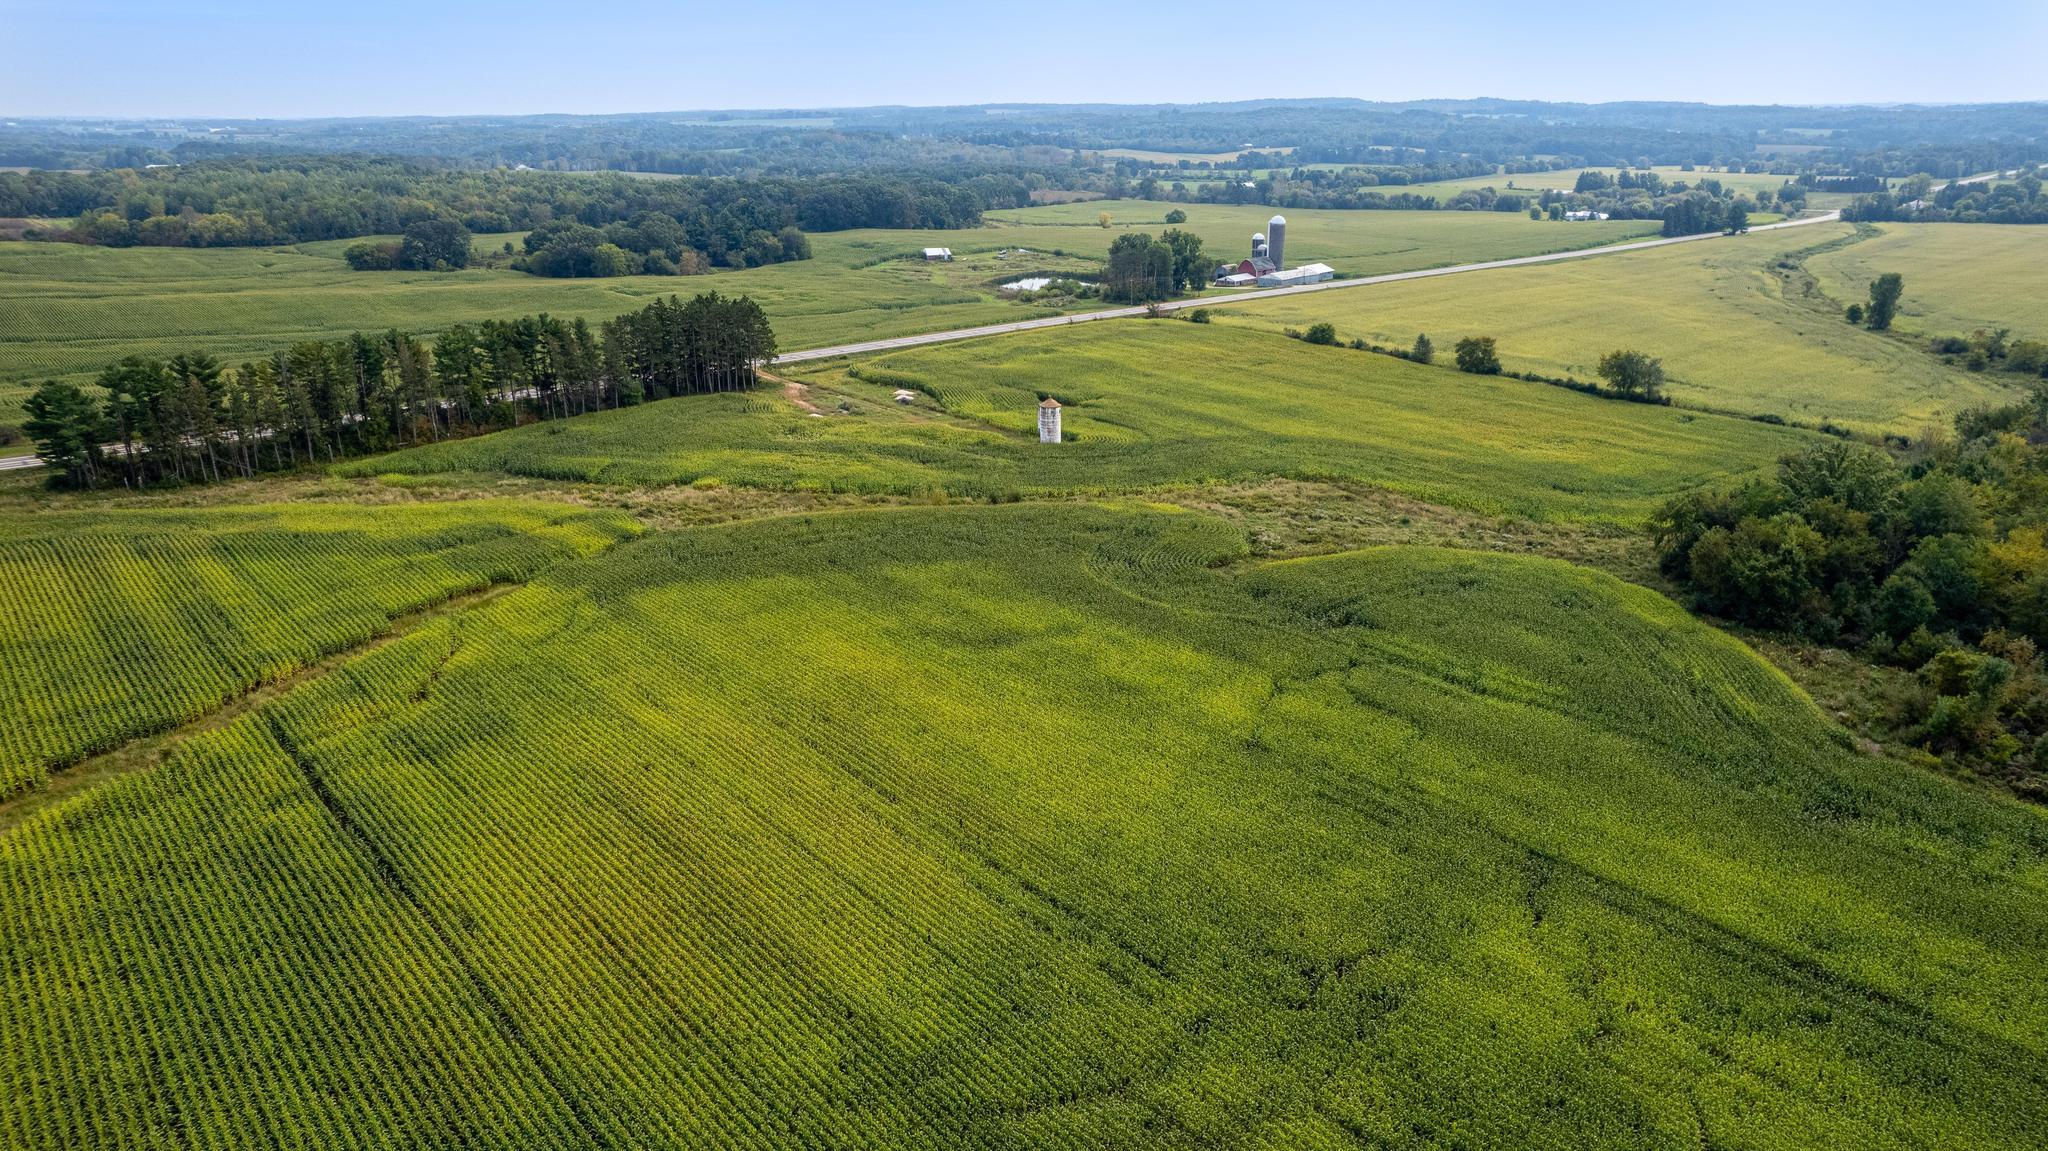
(1029, 826)
(120, 624)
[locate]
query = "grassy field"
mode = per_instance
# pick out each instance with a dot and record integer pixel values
(1150, 403)
(119, 624)
(1959, 277)
(1019, 827)
(68, 311)
(1715, 312)
(1565, 179)
(1356, 243)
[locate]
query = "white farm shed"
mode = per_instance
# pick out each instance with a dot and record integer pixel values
(1306, 274)
(938, 253)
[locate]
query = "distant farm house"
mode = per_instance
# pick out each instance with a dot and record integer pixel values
(1048, 421)
(1585, 214)
(905, 395)
(938, 253)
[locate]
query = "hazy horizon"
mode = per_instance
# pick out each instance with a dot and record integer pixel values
(736, 109)
(231, 59)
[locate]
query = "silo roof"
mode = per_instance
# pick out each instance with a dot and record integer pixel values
(1048, 402)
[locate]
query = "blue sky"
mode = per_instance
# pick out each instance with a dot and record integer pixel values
(377, 57)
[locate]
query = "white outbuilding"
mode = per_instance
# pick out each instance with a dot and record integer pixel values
(1048, 421)
(1306, 274)
(938, 253)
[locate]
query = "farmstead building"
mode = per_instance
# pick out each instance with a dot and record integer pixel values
(1267, 265)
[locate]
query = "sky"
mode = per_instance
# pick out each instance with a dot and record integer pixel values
(378, 57)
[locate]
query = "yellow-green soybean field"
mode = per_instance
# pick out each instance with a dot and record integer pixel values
(1149, 403)
(1029, 826)
(117, 624)
(1716, 312)
(1959, 277)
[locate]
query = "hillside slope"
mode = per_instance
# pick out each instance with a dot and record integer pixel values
(1026, 826)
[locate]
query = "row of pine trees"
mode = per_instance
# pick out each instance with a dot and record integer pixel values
(190, 419)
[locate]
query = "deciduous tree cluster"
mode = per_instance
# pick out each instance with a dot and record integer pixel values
(1934, 559)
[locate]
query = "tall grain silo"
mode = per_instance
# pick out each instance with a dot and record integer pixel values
(1276, 241)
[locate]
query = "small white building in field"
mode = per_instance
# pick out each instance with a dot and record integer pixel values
(1048, 421)
(938, 253)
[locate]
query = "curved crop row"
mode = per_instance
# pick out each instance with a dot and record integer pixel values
(122, 624)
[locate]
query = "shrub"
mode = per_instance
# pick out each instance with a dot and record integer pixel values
(1325, 334)
(1423, 352)
(371, 257)
(1855, 314)
(1477, 355)
(1176, 216)
(1199, 316)
(2029, 356)
(9, 435)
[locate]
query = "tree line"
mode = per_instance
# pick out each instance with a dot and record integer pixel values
(722, 222)
(2016, 201)
(191, 419)
(1040, 140)
(1929, 557)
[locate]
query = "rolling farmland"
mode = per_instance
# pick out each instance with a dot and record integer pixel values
(119, 624)
(1715, 313)
(1055, 836)
(67, 311)
(1149, 404)
(848, 704)
(1959, 277)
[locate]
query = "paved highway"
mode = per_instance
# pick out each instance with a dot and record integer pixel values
(10, 463)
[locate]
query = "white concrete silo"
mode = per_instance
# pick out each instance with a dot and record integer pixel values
(1049, 421)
